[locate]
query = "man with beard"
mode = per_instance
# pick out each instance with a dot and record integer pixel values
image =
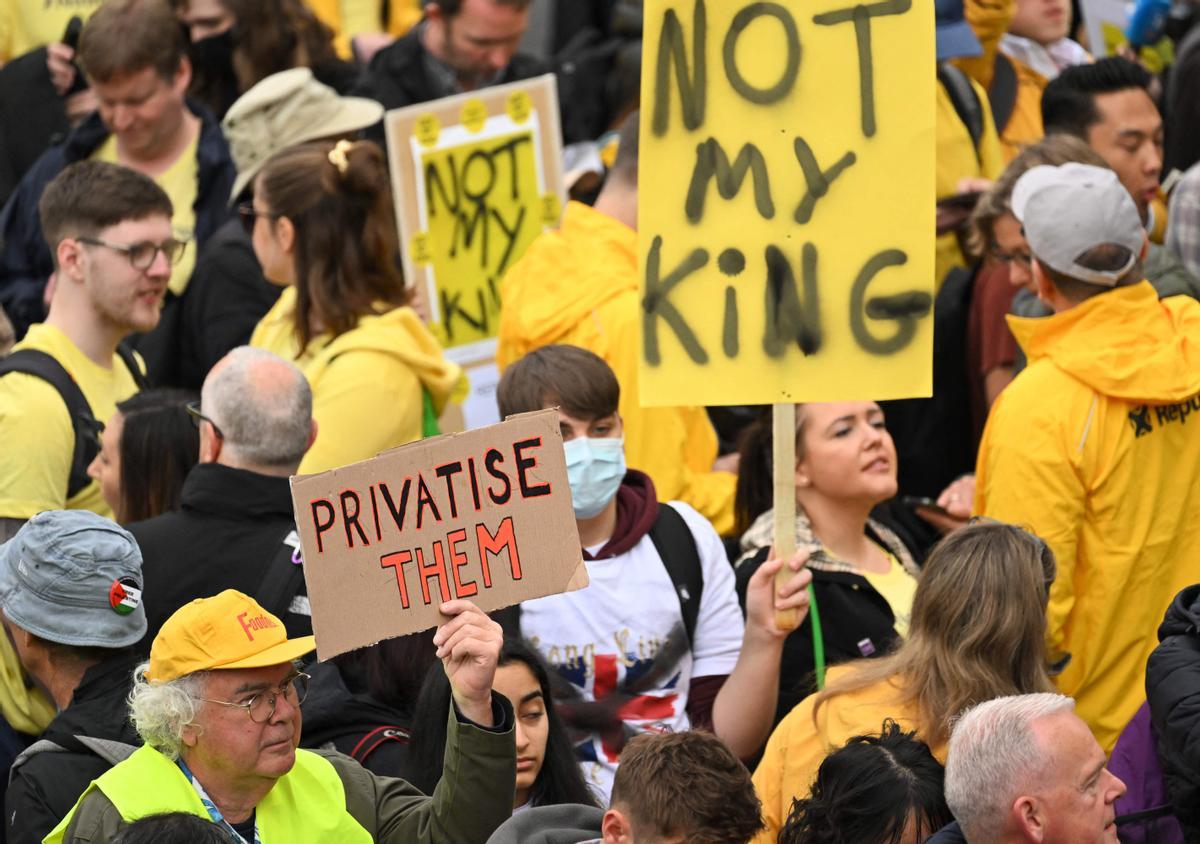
(132, 52)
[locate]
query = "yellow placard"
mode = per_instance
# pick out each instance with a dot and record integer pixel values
(427, 128)
(786, 201)
(483, 205)
(474, 114)
(518, 105)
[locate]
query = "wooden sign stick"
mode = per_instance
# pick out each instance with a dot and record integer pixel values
(783, 448)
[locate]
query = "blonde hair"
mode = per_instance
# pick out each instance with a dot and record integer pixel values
(977, 629)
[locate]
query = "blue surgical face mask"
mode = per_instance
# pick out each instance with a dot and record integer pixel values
(595, 467)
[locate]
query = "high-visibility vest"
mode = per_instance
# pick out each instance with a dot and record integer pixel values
(307, 804)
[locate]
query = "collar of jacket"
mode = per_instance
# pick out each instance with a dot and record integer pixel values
(235, 493)
(761, 535)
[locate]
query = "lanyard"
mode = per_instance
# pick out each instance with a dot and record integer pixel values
(213, 812)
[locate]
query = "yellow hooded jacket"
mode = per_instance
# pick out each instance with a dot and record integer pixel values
(1096, 448)
(579, 285)
(798, 746)
(367, 383)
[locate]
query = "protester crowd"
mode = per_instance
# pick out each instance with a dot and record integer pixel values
(201, 296)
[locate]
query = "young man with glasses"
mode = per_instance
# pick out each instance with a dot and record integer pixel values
(218, 708)
(133, 53)
(110, 228)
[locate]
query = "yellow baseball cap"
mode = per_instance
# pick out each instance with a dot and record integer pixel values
(229, 630)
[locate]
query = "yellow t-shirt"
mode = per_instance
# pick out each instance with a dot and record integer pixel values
(180, 182)
(37, 438)
(348, 18)
(28, 24)
(897, 587)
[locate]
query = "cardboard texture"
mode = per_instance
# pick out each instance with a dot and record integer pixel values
(475, 177)
(484, 515)
(784, 221)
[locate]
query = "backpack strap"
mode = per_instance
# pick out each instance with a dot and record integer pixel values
(87, 428)
(39, 746)
(1002, 93)
(131, 363)
(965, 101)
(284, 574)
(371, 742)
(676, 546)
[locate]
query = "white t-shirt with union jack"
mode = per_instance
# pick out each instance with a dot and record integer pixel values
(605, 638)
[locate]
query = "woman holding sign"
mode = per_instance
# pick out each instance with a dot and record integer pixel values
(323, 226)
(863, 575)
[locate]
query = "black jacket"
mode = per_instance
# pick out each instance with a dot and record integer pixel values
(354, 723)
(856, 622)
(397, 77)
(229, 531)
(225, 299)
(25, 260)
(1173, 691)
(45, 787)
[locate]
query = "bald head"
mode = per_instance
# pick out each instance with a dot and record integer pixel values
(262, 406)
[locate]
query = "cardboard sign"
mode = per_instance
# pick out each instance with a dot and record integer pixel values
(485, 515)
(476, 177)
(786, 201)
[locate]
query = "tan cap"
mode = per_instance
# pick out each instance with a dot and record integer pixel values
(285, 109)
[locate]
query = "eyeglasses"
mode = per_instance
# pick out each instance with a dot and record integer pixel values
(1022, 258)
(261, 707)
(250, 215)
(142, 255)
(193, 412)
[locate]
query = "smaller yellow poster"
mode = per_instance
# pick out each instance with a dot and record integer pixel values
(482, 208)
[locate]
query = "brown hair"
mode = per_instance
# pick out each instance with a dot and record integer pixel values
(1105, 257)
(89, 196)
(345, 234)
(576, 380)
(686, 784)
(128, 36)
(275, 35)
(756, 468)
(977, 629)
(1054, 150)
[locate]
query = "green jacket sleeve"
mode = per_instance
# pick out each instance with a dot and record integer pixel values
(474, 797)
(96, 820)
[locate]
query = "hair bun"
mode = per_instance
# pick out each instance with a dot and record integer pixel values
(360, 167)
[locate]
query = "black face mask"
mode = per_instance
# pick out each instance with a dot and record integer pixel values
(212, 67)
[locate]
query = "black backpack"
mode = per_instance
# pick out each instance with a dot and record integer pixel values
(676, 548)
(83, 421)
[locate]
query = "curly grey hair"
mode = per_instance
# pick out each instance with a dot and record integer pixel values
(161, 711)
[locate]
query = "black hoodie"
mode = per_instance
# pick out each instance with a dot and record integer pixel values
(336, 718)
(1173, 691)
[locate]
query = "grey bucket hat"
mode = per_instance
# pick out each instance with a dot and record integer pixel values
(73, 577)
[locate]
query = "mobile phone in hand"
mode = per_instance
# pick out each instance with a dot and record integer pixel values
(920, 501)
(71, 39)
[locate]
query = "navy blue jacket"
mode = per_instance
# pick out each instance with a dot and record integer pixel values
(25, 259)
(947, 835)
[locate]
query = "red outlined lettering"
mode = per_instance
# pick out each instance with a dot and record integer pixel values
(397, 561)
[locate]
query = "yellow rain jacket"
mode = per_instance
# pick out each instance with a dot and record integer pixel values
(579, 285)
(797, 747)
(1096, 448)
(367, 383)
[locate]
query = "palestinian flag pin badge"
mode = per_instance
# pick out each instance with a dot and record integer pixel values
(124, 595)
